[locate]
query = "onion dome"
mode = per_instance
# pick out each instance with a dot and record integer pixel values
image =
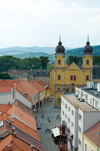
(87, 48)
(60, 48)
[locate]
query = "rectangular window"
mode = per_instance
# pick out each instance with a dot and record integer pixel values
(58, 88)
(69, 109)
(91, 101)
(59, 77)
(69, 120)
(85, 147)
(66, 106)
(80, 117)
(79, 129)
(73, 77)
(87, 77)
(72, 112)
(79, 141)
(72, 124)
(65, 115)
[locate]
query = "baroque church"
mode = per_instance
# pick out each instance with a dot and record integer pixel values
(64, 77)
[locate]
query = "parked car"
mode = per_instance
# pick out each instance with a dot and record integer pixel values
(38, 126)
(50, 100)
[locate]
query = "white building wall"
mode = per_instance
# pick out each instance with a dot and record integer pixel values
(89, 119)
(5, 98)
(69, 114)
(22, 99)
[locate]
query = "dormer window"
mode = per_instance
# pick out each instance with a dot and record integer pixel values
(59, 61)
(87, 61)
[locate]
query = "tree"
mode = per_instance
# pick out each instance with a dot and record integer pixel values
(44, 61)
(4, 75)
(70, 59)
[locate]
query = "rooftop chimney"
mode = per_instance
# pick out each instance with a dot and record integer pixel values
(13, 130)
(9, 147)
(11, 118)
(15, 134)
(8, 103)
(32, 147)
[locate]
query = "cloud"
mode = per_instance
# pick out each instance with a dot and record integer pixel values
(95, 19)
(9, 26)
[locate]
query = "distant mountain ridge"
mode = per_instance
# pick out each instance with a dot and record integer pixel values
(79, 51)
(26, 52)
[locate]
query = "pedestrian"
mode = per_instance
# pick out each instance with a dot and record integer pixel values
(45, 130)
(37, 110)
(36, 118)
(48, 118)
(42, 115)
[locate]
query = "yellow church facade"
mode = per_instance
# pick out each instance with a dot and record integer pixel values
(64, 77)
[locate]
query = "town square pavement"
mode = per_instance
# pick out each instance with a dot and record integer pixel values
(50, 112)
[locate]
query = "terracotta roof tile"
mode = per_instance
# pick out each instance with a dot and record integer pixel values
(25, 137)
(37, 85)
(5, 107)
(93, 134)
(21, 115)
(44, 85)
(26, 86)
(24, 107)
(16, 144)
(21, 92)
(5, 89)
(20, 125)
(8, 83)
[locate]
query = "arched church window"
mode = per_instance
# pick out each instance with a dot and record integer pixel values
(87, 61)
(59, 61)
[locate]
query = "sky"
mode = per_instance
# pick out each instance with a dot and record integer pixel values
(30, 23)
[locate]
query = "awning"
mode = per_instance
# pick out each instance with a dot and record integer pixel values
(55, 132)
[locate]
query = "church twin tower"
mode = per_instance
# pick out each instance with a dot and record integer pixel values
(64, 77)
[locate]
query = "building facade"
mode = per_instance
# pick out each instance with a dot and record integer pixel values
(81, 111)
(65, 77)
(40, 74)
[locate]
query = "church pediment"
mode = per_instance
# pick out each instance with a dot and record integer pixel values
(73, 66)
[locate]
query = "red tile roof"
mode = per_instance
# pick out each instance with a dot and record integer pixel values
(5, 107)
(26, 86)
(16, 122)
(16, 144)
(21, 92)
(44, 85)
(21, 115)
(24, 137)
(37, 86)
(8, 83)
(24, 107)
(93, 134)
(5, 89)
